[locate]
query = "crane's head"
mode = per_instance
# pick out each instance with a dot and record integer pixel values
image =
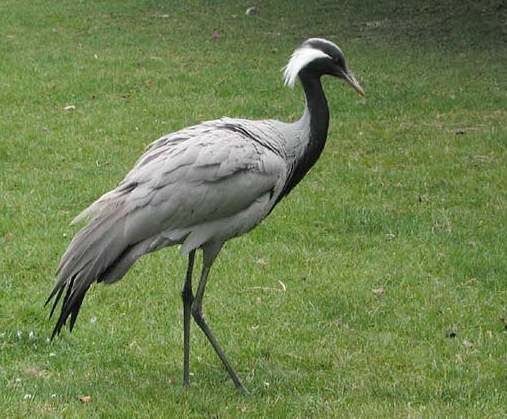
(317, 57)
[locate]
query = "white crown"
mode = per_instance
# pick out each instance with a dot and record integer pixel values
(301, 57)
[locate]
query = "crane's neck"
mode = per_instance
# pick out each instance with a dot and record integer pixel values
(311, 128)
(316, 115)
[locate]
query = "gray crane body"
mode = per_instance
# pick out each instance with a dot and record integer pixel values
(207, 183)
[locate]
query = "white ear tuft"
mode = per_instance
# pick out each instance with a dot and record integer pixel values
(299, 59)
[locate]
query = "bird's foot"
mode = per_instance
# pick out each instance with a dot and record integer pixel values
(242, 390)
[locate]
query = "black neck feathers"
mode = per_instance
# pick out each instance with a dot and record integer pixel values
(316, 121)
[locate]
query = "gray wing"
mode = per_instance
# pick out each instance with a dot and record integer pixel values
(187, 180)
(200, 177)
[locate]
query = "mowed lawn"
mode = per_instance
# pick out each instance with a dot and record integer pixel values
(378, 288)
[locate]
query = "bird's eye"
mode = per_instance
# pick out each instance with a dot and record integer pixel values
(338, 62)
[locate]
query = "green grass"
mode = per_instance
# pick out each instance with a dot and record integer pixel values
(409, 196)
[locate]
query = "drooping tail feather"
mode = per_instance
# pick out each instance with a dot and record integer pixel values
(93, 251)
(101, 251)
(107, 203)
(63, 316)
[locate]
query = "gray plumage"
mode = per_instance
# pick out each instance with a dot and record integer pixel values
(213, 181)
(199, 187)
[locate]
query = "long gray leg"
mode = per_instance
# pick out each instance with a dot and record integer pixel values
(209, 254)
(188, 298)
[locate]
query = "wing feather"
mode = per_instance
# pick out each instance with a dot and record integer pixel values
(214, 178)
(193, 176)
(187, 187)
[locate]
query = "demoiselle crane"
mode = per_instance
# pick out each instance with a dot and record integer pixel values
(199, 187)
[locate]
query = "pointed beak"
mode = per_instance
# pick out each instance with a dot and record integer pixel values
(350, 79)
